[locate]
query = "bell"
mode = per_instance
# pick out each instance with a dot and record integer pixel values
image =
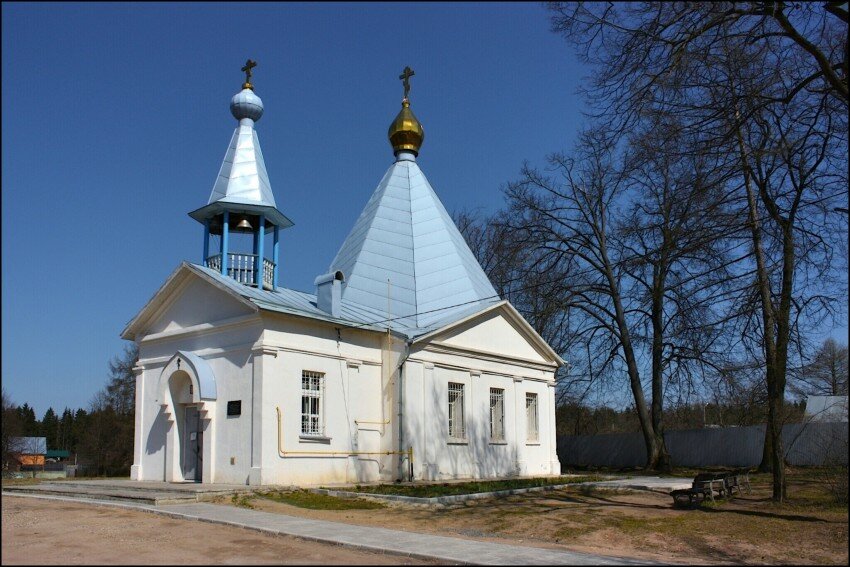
(244, 224)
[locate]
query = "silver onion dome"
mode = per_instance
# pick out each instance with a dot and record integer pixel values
(245, 104)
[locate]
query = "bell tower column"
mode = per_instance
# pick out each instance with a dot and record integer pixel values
(225, 231)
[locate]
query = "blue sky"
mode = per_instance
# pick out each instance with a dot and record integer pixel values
(115, 122)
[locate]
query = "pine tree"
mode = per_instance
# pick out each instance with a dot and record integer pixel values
(66, 425)
(50, 428)
(78, 429)
(29, 424)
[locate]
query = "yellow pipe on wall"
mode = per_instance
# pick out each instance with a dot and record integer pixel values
(283, 453)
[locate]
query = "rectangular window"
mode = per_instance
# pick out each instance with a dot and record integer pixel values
(457, 428)
(312, 388)
(497, 414)
(531, 417)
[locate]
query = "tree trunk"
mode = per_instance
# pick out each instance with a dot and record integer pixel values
(660, 459)
(649, 437)
(777, 457)
(776, 387)
(774, 347)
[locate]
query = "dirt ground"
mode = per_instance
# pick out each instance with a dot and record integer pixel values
(50, 532)
(746, 530)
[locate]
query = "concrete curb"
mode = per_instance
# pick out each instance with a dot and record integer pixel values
(128, 494)
(444, 500)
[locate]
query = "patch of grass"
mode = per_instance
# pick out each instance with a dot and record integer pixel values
(21, 481)
(242, 500)
(313, 501)
(630, 524)
(473, 487)
(572, 532)
(590, 490)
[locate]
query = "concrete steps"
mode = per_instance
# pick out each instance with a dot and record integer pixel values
(153, 495)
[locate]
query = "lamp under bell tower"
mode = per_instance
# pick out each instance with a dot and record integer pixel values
(242, 200)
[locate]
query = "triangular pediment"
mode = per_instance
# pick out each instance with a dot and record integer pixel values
(187, 298)
(499, 331)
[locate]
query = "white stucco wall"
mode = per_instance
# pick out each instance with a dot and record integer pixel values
(258, 358)
(231, 362)
(437, 457)
(355, 391)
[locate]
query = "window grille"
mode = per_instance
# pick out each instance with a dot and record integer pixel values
(531, 417)
(457, 428)
(497, 414)
(312, 388)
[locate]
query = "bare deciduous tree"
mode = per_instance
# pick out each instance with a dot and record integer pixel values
(826, 374)
(763, 81)
(571, 220)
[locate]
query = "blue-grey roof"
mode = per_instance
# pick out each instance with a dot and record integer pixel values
(285, 300)
(245, 104)
(243, 177)
(406, 236)
(243, 183)
(28, 445)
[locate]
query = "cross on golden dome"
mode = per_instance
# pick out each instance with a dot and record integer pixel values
(406, 133)
(249, 64)
(405, 78)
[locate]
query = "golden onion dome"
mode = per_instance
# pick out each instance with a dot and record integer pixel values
(406, 133)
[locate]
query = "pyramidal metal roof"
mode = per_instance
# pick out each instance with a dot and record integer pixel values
(242, 183)
(404, 236)
(243, 177)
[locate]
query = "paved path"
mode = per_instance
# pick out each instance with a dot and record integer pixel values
(426, 546)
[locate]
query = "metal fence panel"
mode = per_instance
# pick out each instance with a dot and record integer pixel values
(806, 444)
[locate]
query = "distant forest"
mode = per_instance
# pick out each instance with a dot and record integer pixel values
(101, 436)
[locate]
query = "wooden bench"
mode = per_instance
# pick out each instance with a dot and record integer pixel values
(738, 479)
(703, 486)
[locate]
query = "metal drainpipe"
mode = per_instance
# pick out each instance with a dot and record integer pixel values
(401, 411)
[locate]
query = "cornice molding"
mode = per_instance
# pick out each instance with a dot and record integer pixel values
(203, 328)
(261, 350)
(488, 356)
(335, 356)
(476, 372)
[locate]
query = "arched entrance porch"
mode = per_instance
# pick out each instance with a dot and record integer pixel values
(187, 394)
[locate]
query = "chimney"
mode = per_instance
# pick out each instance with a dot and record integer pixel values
(329, 292)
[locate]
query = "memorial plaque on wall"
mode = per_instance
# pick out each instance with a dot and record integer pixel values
(234, 407)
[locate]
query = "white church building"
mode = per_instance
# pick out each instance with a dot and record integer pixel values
(402, 364)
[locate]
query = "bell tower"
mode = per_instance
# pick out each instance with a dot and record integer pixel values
(242, 201)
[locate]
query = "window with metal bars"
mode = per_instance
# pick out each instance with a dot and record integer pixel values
(457, 427)
(532, 431)
(312, 389)
(497, 414)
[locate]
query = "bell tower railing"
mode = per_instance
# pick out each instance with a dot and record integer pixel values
(242, 268)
